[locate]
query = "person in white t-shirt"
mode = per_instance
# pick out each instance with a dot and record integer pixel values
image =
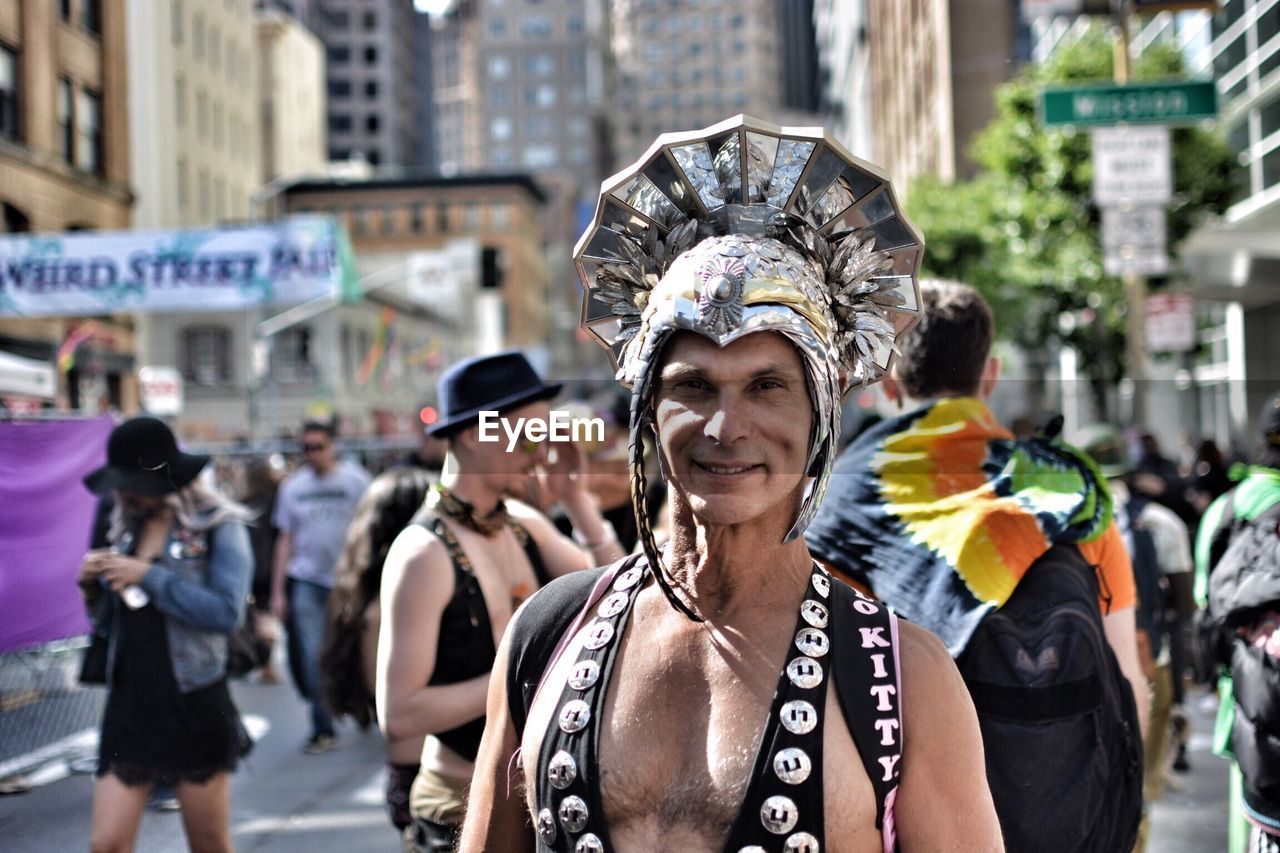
(313, 509)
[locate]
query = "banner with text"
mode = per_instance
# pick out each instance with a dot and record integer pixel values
(216, 269)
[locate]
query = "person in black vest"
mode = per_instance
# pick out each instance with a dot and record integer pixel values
(725, 692)
(453, 578)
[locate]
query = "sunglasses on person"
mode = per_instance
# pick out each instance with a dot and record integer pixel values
(314, 448)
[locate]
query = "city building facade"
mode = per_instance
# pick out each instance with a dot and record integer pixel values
(64, 165)
(934, 66)
(844, 60)
(372, 91)
(683, 65)
(448, 267)
(291, 63)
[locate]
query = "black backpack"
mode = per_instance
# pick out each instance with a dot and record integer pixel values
(1058, 719)
(1243, 585)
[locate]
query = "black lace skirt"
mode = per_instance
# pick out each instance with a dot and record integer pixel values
(151, 732)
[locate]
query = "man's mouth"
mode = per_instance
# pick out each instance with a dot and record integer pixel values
(724, 470)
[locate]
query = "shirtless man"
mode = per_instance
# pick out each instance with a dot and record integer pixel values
(454, 577)
(728, 694)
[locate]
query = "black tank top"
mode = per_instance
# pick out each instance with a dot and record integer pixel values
(783, 807)
(465, 648)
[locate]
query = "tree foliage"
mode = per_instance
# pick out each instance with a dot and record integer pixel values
(1025, 231)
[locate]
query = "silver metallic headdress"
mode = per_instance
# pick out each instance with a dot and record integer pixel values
(745, 227)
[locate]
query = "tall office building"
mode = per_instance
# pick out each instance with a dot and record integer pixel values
(844, 62)
(371, 93)
(934, 66)
(681, 65)
(193, 111)
(520, 86)
(1234, 263)
(293, 116)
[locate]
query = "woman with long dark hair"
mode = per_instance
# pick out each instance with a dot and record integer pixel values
(166, 594)
(349, 658)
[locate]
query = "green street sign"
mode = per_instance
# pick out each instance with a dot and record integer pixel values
(1141, 103)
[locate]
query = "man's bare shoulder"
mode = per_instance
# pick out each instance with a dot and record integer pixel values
(928, 671)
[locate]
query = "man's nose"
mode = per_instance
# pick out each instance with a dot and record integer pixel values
(728, 422)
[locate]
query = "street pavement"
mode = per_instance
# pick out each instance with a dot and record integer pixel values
(282, 800)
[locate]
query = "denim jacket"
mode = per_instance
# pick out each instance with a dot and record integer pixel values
(200, 583)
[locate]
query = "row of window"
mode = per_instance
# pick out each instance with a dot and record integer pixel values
(676, 24)
(413, 218)
(340, 54)
(213, 122)
(344, 123)
(535, 27)
(538, 65)
(342, 20)
(222, 54)
(216, 197)
(339, 88)
(372, 156)
(204, 354)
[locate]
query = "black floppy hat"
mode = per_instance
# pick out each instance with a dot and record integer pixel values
(143, 458)
(486, 383)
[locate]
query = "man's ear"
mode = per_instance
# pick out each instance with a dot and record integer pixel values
(990, 376)
(466, 439)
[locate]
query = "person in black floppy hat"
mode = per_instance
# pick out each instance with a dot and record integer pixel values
(164, 597)
(456, 574)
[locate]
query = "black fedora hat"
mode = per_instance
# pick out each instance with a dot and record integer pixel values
(143, 458)
(487, 383)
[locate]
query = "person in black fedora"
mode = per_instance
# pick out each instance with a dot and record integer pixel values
(456, 574)
(164, 596)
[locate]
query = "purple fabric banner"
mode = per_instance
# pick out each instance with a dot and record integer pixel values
(46, 516)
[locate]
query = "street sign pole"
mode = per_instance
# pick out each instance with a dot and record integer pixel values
(1135, 285)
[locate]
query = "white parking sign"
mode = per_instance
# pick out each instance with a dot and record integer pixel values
(1132, 165)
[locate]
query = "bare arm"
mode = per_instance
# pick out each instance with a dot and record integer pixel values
(279, 568)
(1122, 633)
(943, 800)
(496, 815)
(417, 583)
(560, 554)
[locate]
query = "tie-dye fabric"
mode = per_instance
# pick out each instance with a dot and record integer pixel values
(941, 512)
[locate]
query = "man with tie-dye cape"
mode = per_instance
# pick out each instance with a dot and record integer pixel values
(940, 511)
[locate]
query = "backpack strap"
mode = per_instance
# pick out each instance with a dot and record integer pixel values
(866, 664)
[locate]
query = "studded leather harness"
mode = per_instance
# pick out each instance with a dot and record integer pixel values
(783, 807)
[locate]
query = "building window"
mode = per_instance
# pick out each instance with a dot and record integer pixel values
(442, 218)
(8, 93)
(206, 355)
(372, 123)
(175, 22)
(540, 157)
(339, 88)
(202, 193)
(66, 120)
(197, 35)
(359, 221)
(217, 124)
(471, 217)
(180, 101)
(498, 216)
(215, 49)
(388, 223)
(500, 128)
(89, 129)
(371, 89)
(536, 26)
(497, 28)
(91, 16)
(373, 156)
(370, 55)
(339, 123)
(370, 20)
(573, 26)
(339, 54)
(64, 10)
(539, 65)
(499, 67)
(291, 356)
(415, 217)
(184, 190)
(499, 95)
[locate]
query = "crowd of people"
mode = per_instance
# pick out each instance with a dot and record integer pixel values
(725, 626)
